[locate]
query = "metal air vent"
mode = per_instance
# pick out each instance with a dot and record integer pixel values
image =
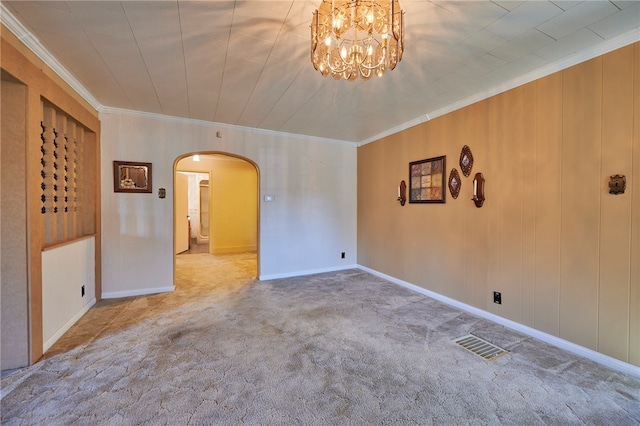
(480, 347)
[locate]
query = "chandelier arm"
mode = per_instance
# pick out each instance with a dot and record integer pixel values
(350, 63)
(334, 70)
(366, 73)
(372, 67)
(360, 65)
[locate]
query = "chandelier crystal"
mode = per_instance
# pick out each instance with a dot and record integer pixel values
(351, 38)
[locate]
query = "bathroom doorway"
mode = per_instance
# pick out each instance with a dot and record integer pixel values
(192, 204)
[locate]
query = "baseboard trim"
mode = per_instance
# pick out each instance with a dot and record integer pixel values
(306, 272)
(58, 334)
(140, 292)
(607, 361)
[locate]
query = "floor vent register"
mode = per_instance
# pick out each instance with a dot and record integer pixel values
(480, 347)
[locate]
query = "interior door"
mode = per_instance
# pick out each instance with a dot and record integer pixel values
(181, 233)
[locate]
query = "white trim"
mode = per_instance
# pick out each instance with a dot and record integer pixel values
(566, 62)
(9, 21)
(51, 340)
(33, 44)
(140, 292)
(590, 354)
(29, 40)
(397, 129)
(204, 123)
(302, 273)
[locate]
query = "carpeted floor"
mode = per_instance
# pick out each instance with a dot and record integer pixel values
(341, 348)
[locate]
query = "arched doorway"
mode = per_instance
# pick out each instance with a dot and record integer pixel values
(216, 209)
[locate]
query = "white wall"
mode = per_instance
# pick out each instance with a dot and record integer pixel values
(65, 270)
(310, 222)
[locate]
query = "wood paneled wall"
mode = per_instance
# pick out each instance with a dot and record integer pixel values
(68, 178)
(563, 252)
(43, 86)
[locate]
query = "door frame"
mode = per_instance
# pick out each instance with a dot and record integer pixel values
(258, 180)
(177, 204)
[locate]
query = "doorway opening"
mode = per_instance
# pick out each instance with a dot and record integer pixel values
(216, 217)
(192, 200)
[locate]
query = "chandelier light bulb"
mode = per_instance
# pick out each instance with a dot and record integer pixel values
(341, 33)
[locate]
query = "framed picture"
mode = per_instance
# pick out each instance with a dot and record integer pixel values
(427, 180)
(131, 177)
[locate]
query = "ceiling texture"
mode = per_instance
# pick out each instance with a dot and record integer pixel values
(247, 63)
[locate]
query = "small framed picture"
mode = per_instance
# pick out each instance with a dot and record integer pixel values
(130, 176)
(427, 180)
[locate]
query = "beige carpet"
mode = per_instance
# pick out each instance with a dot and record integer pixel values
(342, 348)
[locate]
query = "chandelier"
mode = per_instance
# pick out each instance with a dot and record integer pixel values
(351, 38)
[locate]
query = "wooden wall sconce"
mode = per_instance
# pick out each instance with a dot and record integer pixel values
(478, 190)
(402, 193)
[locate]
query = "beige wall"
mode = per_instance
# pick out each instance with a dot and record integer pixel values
(561, 249)
(41, 85)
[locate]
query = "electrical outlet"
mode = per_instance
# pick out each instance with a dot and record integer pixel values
(82, 291)
(497, 297)
(343, 255)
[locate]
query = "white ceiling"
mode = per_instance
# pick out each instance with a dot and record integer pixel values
(247, 63)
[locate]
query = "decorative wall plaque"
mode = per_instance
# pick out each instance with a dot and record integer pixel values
(617, 184)
(454, 183)
(466, 161)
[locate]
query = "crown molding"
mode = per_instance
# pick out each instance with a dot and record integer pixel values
(216, 125)
(569, 61)
(13, 25)
(31, 42)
